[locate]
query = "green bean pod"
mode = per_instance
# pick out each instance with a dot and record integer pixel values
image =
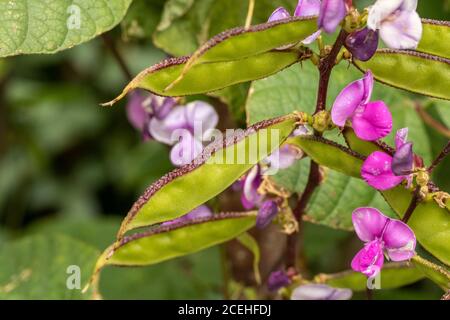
(393, 275)
(435, 38)
(410, 70)
(219, 166)
(208, 77)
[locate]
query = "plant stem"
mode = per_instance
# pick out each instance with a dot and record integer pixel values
(251, 9)
(116, 54)
(325, 66)
(440, 157)
(412, 205)
(433, 123)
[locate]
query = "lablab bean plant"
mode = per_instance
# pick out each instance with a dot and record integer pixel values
(405, 236)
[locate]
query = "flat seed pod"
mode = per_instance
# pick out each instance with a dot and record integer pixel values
(219, 166)
(410, 70)
(330, 154)
(208, 77)
(393, 275)
(435, 38)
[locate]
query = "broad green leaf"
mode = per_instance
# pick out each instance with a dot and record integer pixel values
(329, 154)
(410, 70)
(204, 78)
(187, 24)
(166, 243)
(216, 169)
(438, 274)
(37, 267)
(251, 244)
(48, 26)
(393, 275)
(435, 38)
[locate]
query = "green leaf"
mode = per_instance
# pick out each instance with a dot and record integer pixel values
(330, 154)
(49, 26)
(393, 275)
(217, 168)
(204, 78)
(410, 70)
(187, 24)
(36, 267)
(166, 243)
(438, 274)
(251, 244)
(435, 38)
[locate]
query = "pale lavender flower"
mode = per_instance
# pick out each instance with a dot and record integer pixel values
(320, 292)
(199, 212)
(332, 12)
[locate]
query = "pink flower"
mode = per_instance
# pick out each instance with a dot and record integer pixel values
(332, 12)
(384, 172)
(399, 24)
(184, 128)
(305, 8)
(381, 235)
(370, 120)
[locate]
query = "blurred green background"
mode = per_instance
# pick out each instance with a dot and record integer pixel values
(70, 169)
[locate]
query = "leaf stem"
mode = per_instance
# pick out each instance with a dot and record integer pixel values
(440, 157)
(326, 65)
(109, 42)
(251, 9)
(412, 205)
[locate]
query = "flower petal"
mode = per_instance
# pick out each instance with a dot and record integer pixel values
(401, 136)
(341, 294)
(162, 130)
(279, 14)
(162, 106)
(369, 260)
(403, 160)
(312, 38)
(201, 117)
(283, 158)
(404, 31)
(136, 113)
(409, 5)
(352, 96)
(320, 292)
(307, 8)
(332, 12)
(199, 212)
(399, 241)
(362, 44)
(186, 150)
(377, 172)
(372, 121)
(266, 214)
(369, 223)
(380, 11)
(278, 280)
(250, 196)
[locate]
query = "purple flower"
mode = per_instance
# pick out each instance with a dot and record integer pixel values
(370, 120)
(184, 127)
(142, 107)
(305, 8)
(250, 197)
(199, 212)
(266, 213)
(362, 44)
(320, 292)
(381, 235)
(332, 12)
(384, 172)
(283, 158)
(399, 24)
(278, 280)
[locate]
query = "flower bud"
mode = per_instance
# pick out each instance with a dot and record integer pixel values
(278, 280)
(362, 44)
(266, 213)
